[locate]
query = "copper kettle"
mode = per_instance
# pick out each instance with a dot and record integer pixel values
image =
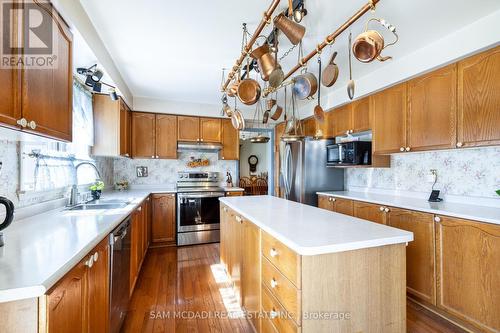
(293, 31)
(369, 44)
(265, 60)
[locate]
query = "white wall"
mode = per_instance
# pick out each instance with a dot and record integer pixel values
(176, 107)
(262, 151)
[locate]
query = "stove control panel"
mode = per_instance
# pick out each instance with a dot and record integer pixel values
(197, 176)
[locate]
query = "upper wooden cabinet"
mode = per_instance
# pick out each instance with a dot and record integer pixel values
(361, 119)
(230, 141)
(188, 128)
(431, 115)
(166, 136)
(389, 120)
(112, 127)
(143, 135)
(39, 100)
(163, 219)
(420, 254)
(154, 135)
(342, 120)
(210, 130)
(195, 129)
(469, 271)
(479, 99)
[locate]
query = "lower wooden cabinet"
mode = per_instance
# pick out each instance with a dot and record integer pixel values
(325, 202)
(420, 254)
(234, 194)
(163, 229)
(343, 206)
(139, 240)
(370, 212)
(468, 261)
(79, 302)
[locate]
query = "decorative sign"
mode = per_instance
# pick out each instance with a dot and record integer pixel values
(142, 171)
(198, 162)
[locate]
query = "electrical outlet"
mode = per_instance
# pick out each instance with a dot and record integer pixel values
(432, 176)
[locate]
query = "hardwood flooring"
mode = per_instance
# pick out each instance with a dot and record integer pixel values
(189, 283)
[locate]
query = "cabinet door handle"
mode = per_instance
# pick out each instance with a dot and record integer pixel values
(382, 208)
(95, 256)
(437, 219)
(127, 155)
(139, 209)
(402, 149)
(407, 148)
(273, 253)
(22, 122)
(333, 199)
(32, 125)
(152, 157)
(157, 156)
(273, 313)
(238, 219)
(274, 283)
(387, 210)
(459, 144)
(90, 262)
(225, 209)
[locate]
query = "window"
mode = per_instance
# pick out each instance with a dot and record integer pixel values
(47, 165)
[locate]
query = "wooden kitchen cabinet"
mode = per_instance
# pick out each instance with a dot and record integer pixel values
(112, 127)
(420, 254)
(166, 136)
(136, 233)
(79, 302)
(250, 277)
(66, 302)
(40, 97)
(431, 119)
(468, 271)
(143, 135)
(230, 141)
(325, 202)
(309, 126)
(389, 120)
(235, 252)
(98, 289)
(343, 206)
(163, 231)
(342, 120)
(369, 211)
(188, 128)
(361, 120)
(478, 122)
(210, 130)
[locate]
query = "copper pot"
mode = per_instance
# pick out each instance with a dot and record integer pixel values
(293, 31)
(305, 85)
(369, 44)
(249, 91)
(265, 60)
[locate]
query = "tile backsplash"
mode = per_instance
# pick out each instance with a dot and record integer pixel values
(473, 172)
(164, 172)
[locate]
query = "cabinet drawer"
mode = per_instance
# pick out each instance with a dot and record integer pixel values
(286, 260)
(267, 326)
(282, 289)
(282, 322)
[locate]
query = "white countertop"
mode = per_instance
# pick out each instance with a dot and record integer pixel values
(309, 230)
(472, 212)
(41, 249)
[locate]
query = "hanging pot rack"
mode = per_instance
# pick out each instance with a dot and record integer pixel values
(330, 39)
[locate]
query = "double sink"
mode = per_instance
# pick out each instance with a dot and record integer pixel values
(101, 205)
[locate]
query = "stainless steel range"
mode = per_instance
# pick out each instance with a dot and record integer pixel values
(198, 216)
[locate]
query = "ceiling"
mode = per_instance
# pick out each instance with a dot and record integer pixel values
(176, 50)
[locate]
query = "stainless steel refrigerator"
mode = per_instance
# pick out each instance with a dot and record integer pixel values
(303, 171)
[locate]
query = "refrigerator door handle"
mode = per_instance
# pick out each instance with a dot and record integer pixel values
(289, 169)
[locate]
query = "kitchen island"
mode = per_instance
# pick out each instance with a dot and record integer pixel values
(304, 269)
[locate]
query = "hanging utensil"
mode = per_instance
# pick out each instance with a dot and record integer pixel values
(319, 114)
(277, 75)
(249, 89)
(277, 113)
(293, 131)
(331, 72)
(350, 84)
(237, 119)
(305, 85)
(265, 60)
(293, 31)
(369, 44)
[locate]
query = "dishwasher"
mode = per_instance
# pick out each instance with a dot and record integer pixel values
(119, 241)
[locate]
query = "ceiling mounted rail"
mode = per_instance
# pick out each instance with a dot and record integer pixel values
(266, 19)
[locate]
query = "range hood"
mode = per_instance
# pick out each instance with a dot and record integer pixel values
(198, 146)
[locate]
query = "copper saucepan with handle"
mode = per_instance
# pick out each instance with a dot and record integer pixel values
(248, 89)
(369, 44)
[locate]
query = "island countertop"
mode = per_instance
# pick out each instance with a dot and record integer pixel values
(310, 230)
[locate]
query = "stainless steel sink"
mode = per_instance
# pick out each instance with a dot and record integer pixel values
(101, 206)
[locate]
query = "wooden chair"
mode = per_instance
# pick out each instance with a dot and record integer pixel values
(260, 186)
(246, 184)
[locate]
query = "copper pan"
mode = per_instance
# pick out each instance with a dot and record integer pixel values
(265, 61)
(293, 31)
(249, 89)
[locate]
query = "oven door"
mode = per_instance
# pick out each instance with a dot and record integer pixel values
(198, 211)
(333, 155)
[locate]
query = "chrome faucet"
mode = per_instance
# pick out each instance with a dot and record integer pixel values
(73, 198)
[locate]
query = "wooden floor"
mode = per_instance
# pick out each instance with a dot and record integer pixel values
(189, 283)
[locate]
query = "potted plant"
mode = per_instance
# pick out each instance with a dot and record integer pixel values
(498, 192)
(96, 189)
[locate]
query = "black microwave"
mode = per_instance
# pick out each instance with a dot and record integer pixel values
(349, 153)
